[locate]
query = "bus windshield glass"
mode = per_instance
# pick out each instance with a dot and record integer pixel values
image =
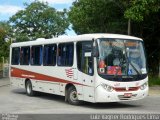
(120, 58)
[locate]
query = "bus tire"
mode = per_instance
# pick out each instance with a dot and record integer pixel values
(29, 89)
(72, 96)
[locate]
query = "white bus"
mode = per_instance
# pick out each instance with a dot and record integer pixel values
(89, 67)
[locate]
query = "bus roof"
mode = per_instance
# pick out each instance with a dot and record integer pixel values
(84, 37)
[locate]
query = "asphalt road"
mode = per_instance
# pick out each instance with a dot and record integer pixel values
(13, 100)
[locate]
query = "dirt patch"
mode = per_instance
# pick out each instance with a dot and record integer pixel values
(154, 90)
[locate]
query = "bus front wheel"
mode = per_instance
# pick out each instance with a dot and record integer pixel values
(29, 89)
(72, 96)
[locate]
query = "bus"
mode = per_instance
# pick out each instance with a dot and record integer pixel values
(91, 67)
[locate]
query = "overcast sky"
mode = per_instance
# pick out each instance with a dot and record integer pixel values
(10, 7)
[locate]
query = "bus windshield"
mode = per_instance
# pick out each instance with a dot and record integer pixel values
(120, 58)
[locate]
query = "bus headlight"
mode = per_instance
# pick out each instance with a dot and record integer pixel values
(107, 87)
(142, 87)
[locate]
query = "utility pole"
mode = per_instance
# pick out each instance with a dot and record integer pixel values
(159, 62)
(2, 66)
(129, 26)
(159, 70)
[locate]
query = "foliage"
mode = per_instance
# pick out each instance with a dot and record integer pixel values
(91, 16)
(38, 20)
(5, 30)
(154, 81)
(95, 16)
(141, 8)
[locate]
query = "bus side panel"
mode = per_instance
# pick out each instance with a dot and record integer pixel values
(46, 87)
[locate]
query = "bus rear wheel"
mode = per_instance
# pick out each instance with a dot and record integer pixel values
(29, 89)
(72, 96)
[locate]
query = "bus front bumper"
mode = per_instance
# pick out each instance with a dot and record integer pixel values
(101, 95)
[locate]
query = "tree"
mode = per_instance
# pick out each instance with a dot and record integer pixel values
(145, 15)
(141, 8)
(5, 30)
(92, 16)
(38, 20)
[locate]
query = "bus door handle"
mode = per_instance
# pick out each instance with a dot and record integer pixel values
(84, 80)
(91, 81)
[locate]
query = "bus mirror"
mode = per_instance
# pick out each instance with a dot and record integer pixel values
(95, 52)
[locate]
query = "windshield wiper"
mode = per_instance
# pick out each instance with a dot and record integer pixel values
(129, 62)
(134, 68)
(121, 64)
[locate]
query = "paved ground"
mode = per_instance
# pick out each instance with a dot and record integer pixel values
(16, 101)
(4, 82)
(13, 100)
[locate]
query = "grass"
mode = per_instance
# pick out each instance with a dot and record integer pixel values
(154, 81)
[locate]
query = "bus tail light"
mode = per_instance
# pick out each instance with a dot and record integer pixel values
(142, 87)
(107, 87)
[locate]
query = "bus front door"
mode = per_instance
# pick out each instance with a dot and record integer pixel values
(85, 72)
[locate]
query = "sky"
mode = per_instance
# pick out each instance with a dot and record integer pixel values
(10, 7)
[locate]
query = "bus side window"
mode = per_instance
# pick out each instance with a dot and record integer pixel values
(84, 58)
(65, 54)
(36, 55)
(49, 56)
(25, 55)
(15, 56)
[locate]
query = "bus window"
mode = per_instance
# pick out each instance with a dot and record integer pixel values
(49, 56)
(84, 58)
(15, 56)
(25, 55)
(36, 55)
(65, 54)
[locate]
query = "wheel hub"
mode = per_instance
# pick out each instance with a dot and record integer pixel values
(73, 96)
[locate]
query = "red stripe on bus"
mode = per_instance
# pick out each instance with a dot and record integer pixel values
(20, 73)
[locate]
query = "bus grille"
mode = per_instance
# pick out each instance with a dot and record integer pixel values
(123, 89)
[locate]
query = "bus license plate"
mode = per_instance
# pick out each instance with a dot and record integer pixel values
(127, 94)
